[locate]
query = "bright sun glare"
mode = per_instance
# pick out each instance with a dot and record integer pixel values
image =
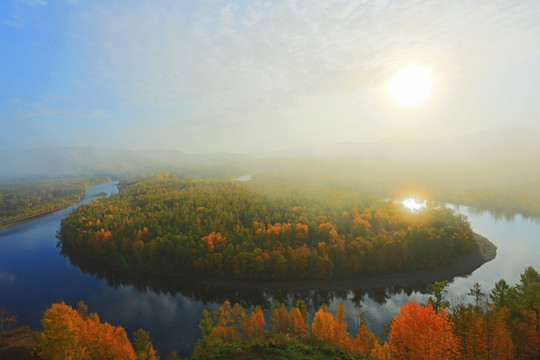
(412, 205)
(411, 85)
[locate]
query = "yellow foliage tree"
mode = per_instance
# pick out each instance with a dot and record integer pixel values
(71, 334)
(329, 329)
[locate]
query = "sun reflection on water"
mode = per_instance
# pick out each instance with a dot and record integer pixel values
(413, 205)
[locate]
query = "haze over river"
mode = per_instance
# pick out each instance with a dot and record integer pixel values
(34, 274)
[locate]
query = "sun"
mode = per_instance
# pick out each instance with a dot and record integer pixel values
(411, 85)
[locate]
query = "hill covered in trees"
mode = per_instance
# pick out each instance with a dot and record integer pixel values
(261, 230)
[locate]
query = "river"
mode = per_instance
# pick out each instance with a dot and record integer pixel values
(34, 274)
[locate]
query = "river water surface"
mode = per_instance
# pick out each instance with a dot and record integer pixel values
(34, 274)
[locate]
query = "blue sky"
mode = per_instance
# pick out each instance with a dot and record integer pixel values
(240, 76)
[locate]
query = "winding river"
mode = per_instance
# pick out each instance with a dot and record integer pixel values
(34, 274)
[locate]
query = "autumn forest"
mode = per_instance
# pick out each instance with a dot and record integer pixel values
(287, 179)
(276, 231)
(261, 230)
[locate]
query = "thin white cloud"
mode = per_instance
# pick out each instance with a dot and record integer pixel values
(163, 55)
(34, 2)
(13, 100)
(18, 15)
(45, 110)
(265, 64)
(14, 20)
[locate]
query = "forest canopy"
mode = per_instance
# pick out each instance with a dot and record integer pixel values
(261, 230)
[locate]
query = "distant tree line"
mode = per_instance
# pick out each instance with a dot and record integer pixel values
(506, 201)
(261, 230)
(506, 188)
(23, 199)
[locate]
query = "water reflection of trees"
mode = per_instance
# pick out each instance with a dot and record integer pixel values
(214, 292)
(508, 215)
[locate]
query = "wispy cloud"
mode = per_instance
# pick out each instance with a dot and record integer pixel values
(34, 2)
(17, 17)
(13, 100)
(14, 20)
(44, 110)
(232, 72)
(232, 55)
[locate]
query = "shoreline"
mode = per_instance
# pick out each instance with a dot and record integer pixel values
(34, 216)
(483, 252)
(47, 212)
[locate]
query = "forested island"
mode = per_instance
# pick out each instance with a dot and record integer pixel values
(263, 230)
(22, 200)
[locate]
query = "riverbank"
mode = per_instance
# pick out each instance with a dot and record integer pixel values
(74, 190)
(19, 344)
(35, 216)
(483, 252)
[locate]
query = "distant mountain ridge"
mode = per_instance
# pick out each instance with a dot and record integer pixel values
(514, 145)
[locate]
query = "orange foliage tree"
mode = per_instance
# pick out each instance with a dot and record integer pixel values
(332, 329)
(71, 334)
(281, 320)
(483, 333)
(213, 239)
(322, 323)
(365, 341)
(340, 336)
(291, 322)
(381, 351)
(419, 332)
(229, 323)
(299, 325)
(527, 335)
(253, 324)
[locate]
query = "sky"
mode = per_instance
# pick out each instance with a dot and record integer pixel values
(244, 76)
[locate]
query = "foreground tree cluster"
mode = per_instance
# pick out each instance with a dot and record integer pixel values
(261, 230)
(503, 325)
(74, 334)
